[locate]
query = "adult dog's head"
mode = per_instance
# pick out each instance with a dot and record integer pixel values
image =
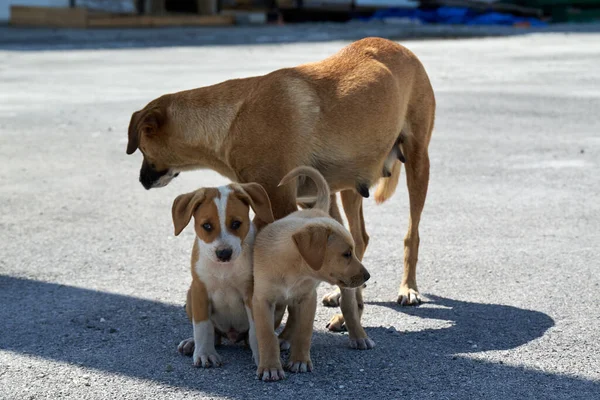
(150, 131)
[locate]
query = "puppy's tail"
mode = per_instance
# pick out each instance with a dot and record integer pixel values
(323, 191)
(387, 186)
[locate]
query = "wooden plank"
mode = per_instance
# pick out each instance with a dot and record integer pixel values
(147, 21)
(53, 17)
(134, 21)
(195, 20)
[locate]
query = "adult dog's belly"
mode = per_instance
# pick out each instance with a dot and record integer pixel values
(341, 177)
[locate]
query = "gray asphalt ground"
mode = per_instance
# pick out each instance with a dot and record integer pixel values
(92, 281)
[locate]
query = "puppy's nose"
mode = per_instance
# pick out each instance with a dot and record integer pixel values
(224, 254)
(366, 275)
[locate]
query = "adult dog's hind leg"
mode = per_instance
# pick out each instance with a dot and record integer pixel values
(417, 179)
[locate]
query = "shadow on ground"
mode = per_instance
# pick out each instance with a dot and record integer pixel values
(138, 338)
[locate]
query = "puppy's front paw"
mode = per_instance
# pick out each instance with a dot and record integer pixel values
(270, 373)
(332, 299)
(186, 347)
(207, 359)
(408, 296)
(336, 323)
(299, 365)
(362, 344)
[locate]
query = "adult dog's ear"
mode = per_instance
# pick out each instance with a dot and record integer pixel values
(256, 197)
(184, 207)
(311, 242)
(144, 122)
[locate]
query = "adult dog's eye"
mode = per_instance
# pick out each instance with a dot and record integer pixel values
(207, 227)
(347, 254)
(235, 225)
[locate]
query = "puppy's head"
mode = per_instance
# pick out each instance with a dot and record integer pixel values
(329, 250)
(221, 217)
(150, 131)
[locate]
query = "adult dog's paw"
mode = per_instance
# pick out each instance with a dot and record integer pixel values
(207, 359)
(186, 347)
(332, 299)
(270, 373)
(336, 323)
(362, 344)
(408, 296)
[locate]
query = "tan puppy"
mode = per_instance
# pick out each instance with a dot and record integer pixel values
(219, 298)
(353, 116)
(291, 257)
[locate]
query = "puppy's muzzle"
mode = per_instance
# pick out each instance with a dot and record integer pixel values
(224, 255)
(359, 279)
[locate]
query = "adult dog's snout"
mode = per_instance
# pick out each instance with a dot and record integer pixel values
(149, 176)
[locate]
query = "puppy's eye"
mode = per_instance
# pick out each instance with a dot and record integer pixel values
(347, 254)
(235, 225)
(207, 227)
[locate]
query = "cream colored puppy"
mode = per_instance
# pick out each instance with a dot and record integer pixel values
(219, 298)
(291, 257)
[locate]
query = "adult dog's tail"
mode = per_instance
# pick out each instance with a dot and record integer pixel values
(387, 186)
(323, 191)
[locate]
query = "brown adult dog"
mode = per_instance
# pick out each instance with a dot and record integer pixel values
(292, 256)
(352, 116)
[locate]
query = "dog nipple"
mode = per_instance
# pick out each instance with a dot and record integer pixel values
(363, 190)
(401, 156)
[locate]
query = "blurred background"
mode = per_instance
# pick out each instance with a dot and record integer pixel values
(157, 13)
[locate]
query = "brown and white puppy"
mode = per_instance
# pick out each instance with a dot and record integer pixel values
(219, 298)
(354, 116)
(291, 257)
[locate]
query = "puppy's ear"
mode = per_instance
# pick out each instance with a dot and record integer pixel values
(256, 197)
(311, 242)
(184, 207)
(145, 122)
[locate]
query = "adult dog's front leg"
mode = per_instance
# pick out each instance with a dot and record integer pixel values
(351, 301)
(283, 201)
(332, 299)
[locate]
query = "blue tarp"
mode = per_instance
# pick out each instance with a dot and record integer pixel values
(456, 16)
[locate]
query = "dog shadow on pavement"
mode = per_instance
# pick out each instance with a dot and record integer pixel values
(138, 338)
